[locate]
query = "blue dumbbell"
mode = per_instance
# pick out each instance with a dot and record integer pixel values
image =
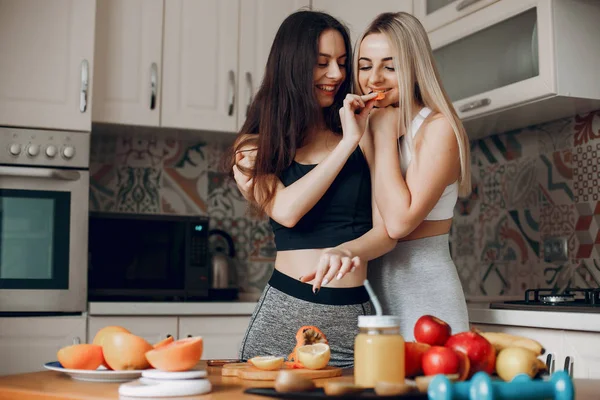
(481, 387)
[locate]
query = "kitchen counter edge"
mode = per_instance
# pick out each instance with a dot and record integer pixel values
(175, 309)
(575, 321)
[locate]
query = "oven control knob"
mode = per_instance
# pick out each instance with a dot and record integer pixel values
(33, 150)
(51, 151)
(15, 149)
(68, 152)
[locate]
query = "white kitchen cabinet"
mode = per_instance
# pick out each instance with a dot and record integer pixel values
(259, 22)
(214, 56)
(27, 343)
(128, 62)
(153, 329)
(436, 13)
(516, 63)
(200, 59)
(357, 14)
(222, 335)
(46, 63)
(583, 350)
(580, 350)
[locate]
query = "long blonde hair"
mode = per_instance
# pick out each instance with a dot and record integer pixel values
(418, 81)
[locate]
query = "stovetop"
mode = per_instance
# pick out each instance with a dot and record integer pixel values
(570, 300)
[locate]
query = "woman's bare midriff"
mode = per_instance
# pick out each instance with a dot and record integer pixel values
(429, 229)
(297, 263)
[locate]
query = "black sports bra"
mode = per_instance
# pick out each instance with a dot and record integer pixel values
(341, 215)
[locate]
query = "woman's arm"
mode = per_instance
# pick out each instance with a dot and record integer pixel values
(338, 261)
(291, 203)
(404, 203)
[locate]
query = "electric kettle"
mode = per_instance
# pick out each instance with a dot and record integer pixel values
(223, 272)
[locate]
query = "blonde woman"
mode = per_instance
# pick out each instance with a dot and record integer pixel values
(422, 165)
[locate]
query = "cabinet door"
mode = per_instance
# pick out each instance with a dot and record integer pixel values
(30, 342)
(357, 14)
(128, 58)
(583, 350)
(153, 329)
(46, 63)
(498, 57)
(436, 13)
(200, 60)
(222, 335)
(260, 20)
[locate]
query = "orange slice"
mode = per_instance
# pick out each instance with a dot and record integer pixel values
(380, 96)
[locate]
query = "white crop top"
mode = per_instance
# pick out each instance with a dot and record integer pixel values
(444, 209)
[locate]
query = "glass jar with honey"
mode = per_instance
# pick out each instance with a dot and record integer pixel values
(378, 351)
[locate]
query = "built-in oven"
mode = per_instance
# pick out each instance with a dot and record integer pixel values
(44, 192)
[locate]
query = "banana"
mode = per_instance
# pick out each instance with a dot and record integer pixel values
(501, 340)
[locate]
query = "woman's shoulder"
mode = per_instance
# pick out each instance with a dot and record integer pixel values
(438, 130)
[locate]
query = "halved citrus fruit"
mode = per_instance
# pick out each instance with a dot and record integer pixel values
(181, 355)
(267, 363)
(314, 356)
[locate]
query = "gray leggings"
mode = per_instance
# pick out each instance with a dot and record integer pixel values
(419, 277)
(287, 304)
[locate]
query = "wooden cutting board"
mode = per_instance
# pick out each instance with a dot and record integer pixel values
(249, 372)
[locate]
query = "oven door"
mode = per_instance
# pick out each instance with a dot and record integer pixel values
(43, 239)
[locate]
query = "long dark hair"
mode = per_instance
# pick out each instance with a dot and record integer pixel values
(285, 107)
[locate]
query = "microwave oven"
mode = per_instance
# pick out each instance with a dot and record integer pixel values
(143, 257)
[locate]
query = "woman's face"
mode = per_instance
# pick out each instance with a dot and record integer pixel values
(376, 69)
(330, 71)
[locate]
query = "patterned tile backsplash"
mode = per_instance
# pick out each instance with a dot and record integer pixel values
(528, 184)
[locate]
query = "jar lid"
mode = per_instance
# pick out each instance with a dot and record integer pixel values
(378, 321)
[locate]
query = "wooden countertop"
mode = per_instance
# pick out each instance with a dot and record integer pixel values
(50, 385)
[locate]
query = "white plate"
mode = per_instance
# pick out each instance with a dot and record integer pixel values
(151, 388)
(158, 374)
(99, 375)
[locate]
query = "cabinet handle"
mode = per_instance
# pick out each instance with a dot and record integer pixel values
(475, 104)
(85, 79)
(76, 340)
(550, 363)
(569, 366)
(153, 85)
(231, 94)
(464, 4)
(250, 91)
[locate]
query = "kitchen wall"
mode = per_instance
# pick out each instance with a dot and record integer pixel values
(528, 184)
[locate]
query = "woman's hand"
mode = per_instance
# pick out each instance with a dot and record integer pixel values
(354, 116)
(383, 123)
(334, 263)
(244, 159)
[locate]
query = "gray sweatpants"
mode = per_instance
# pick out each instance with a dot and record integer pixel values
(286, 305)
(418, 277)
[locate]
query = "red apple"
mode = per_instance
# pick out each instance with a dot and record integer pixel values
(431, 330)
(413, 358)
(481, 353)
(440, 360)
(464, 366)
